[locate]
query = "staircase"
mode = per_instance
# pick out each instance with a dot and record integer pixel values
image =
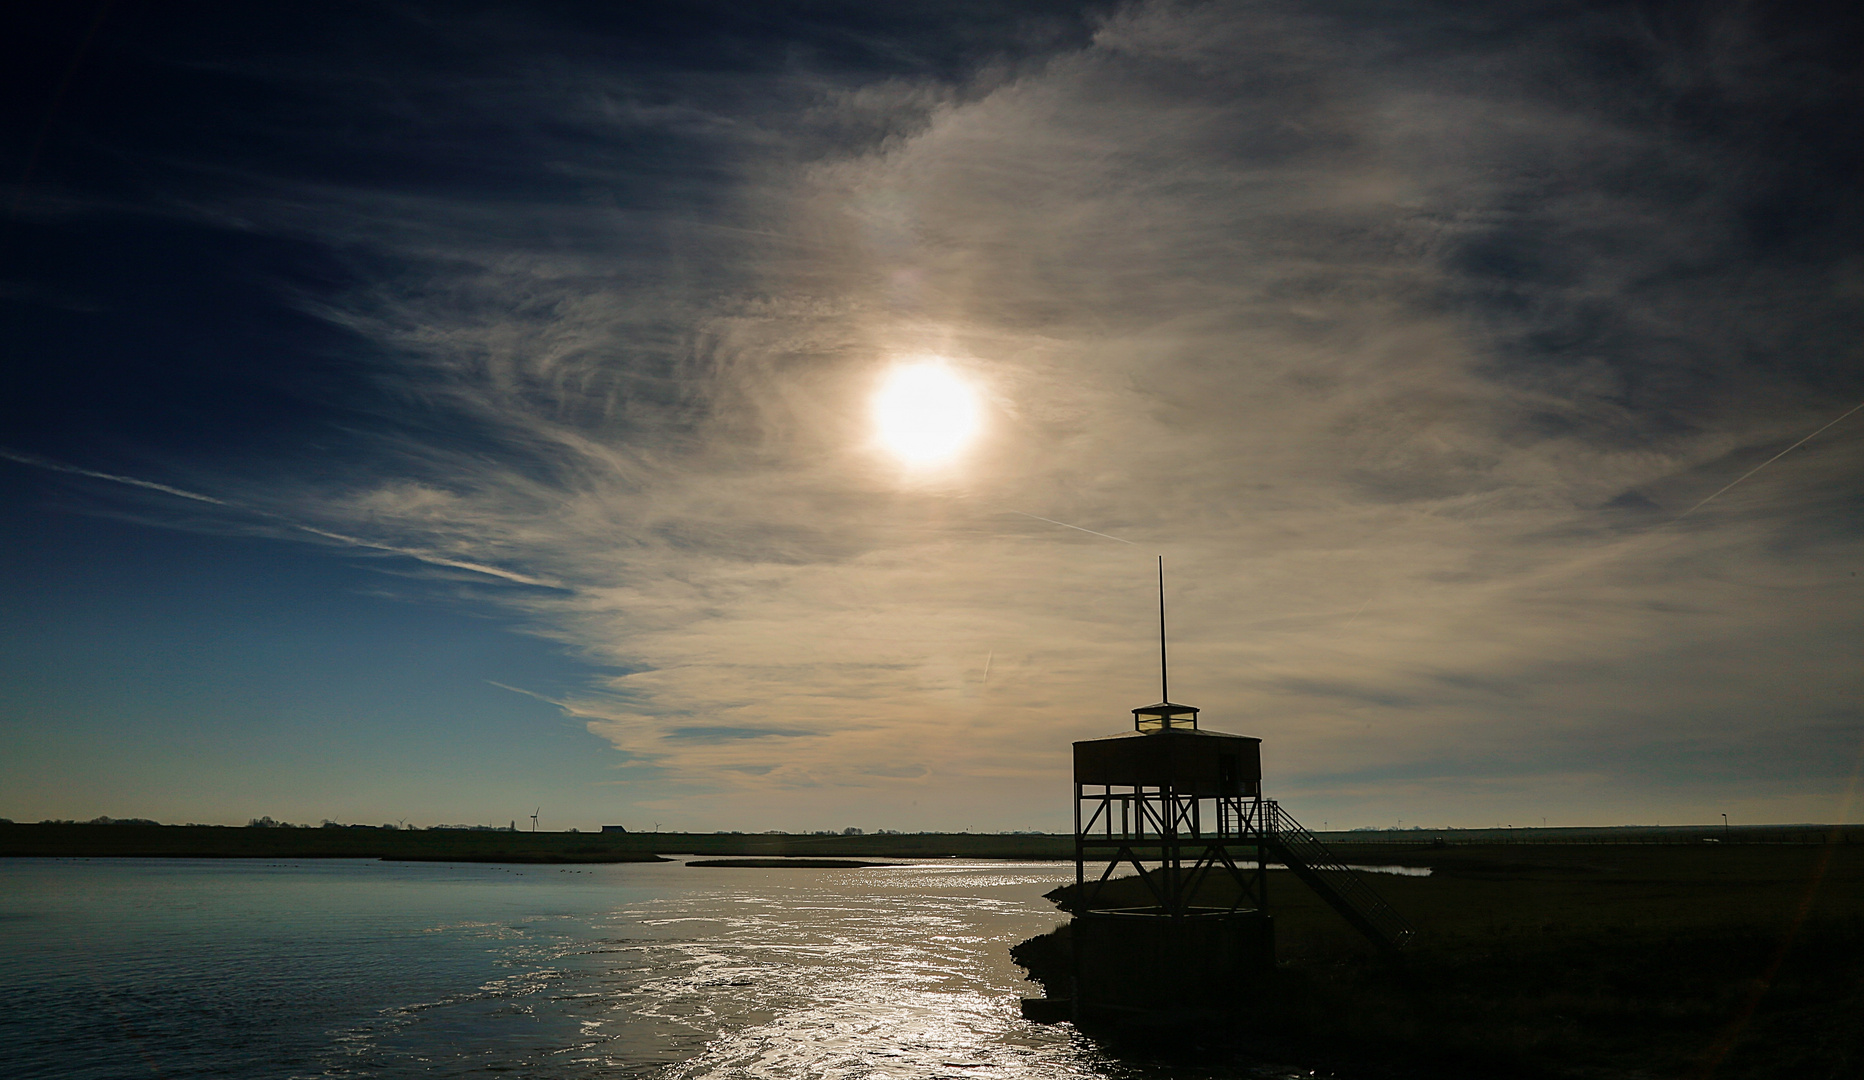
(1302, 852)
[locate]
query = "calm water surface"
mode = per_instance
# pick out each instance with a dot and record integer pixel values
(353, 968)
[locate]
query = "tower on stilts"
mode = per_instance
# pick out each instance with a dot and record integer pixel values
(1181, 807)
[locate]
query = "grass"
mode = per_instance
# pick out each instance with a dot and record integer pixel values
(1731, 961)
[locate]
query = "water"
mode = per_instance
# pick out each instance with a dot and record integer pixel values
(352, 968)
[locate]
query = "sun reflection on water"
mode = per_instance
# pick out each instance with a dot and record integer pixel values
(376, 970)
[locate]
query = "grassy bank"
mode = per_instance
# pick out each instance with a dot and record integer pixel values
(1632, 961)
(461, 845)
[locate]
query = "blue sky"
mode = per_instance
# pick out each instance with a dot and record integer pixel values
(435, 412)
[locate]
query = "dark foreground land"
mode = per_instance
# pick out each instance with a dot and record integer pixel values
(1729, 961)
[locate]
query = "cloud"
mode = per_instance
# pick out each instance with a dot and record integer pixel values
(1407, 338)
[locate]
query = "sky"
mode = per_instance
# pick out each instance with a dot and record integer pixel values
(441, 413)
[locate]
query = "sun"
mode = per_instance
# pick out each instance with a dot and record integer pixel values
(925, 413)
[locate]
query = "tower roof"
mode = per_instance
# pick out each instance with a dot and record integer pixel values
(1164, 707)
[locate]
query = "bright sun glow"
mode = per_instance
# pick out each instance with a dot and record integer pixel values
(925, 413)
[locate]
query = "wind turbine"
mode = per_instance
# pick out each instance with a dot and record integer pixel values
(534, 818)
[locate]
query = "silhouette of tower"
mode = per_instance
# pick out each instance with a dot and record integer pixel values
(1182, 806)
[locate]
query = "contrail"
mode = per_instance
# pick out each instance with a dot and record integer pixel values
(987, 659)
(1076, 528)
(422, 556)
(56, 466)
(413, 553)
(529, 694)
(1769, 461)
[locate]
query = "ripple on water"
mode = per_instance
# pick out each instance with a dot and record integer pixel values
(383, 970)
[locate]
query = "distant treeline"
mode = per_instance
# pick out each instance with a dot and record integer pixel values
(72, 839)
(268, 823)
(213, 841)
(488, 844)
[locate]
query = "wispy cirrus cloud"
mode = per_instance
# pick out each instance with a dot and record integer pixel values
(1407, 339)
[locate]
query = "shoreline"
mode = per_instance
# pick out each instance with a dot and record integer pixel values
(467, 845)
(1493, 848)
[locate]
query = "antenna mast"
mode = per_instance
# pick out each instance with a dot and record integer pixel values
(1164, 682)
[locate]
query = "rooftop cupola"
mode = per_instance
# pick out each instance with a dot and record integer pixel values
(1164, 716)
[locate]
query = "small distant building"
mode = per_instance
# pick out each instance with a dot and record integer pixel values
(614, 828)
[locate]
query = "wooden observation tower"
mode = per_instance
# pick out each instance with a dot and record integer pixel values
(1182, 808)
